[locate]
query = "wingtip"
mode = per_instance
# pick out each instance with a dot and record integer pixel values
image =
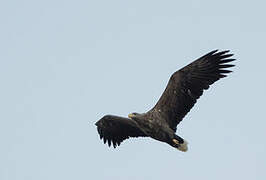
(225, 61)
(221, 52)
(214, 51)
(225, 51)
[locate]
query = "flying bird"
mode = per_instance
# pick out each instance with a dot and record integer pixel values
(184, 87)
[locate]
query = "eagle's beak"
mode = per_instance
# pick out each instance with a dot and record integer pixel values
(131, 115)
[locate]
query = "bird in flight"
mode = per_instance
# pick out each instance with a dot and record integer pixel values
(184, 87)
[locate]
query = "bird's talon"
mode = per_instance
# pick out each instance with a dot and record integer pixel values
(175, 141)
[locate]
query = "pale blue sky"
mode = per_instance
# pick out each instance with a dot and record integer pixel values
(65, 64)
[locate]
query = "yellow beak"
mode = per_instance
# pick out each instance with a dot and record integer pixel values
(131, 115)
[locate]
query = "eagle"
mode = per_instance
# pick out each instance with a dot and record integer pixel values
(184, 88)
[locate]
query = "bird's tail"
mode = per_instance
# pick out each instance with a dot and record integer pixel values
(180, 143)
(183, 147)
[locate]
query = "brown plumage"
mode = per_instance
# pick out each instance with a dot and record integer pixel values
(182, 91)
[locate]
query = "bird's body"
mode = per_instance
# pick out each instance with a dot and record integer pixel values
(153, 126)
(183, 89)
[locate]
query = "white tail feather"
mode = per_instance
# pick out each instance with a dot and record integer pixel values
(183, 147)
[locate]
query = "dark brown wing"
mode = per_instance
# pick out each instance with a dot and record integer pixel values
(115, 129)
(186, 85)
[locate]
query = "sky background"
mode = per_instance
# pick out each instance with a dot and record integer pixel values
(65, 64)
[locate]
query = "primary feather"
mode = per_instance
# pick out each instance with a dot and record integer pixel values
(115, 129)
(187, 84)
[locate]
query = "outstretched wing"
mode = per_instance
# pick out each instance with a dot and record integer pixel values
(186, 85)
(115, 129)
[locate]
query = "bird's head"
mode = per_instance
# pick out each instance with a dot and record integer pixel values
(133, 115)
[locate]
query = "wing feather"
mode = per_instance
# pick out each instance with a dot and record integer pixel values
(115, 129)
(187, 84)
